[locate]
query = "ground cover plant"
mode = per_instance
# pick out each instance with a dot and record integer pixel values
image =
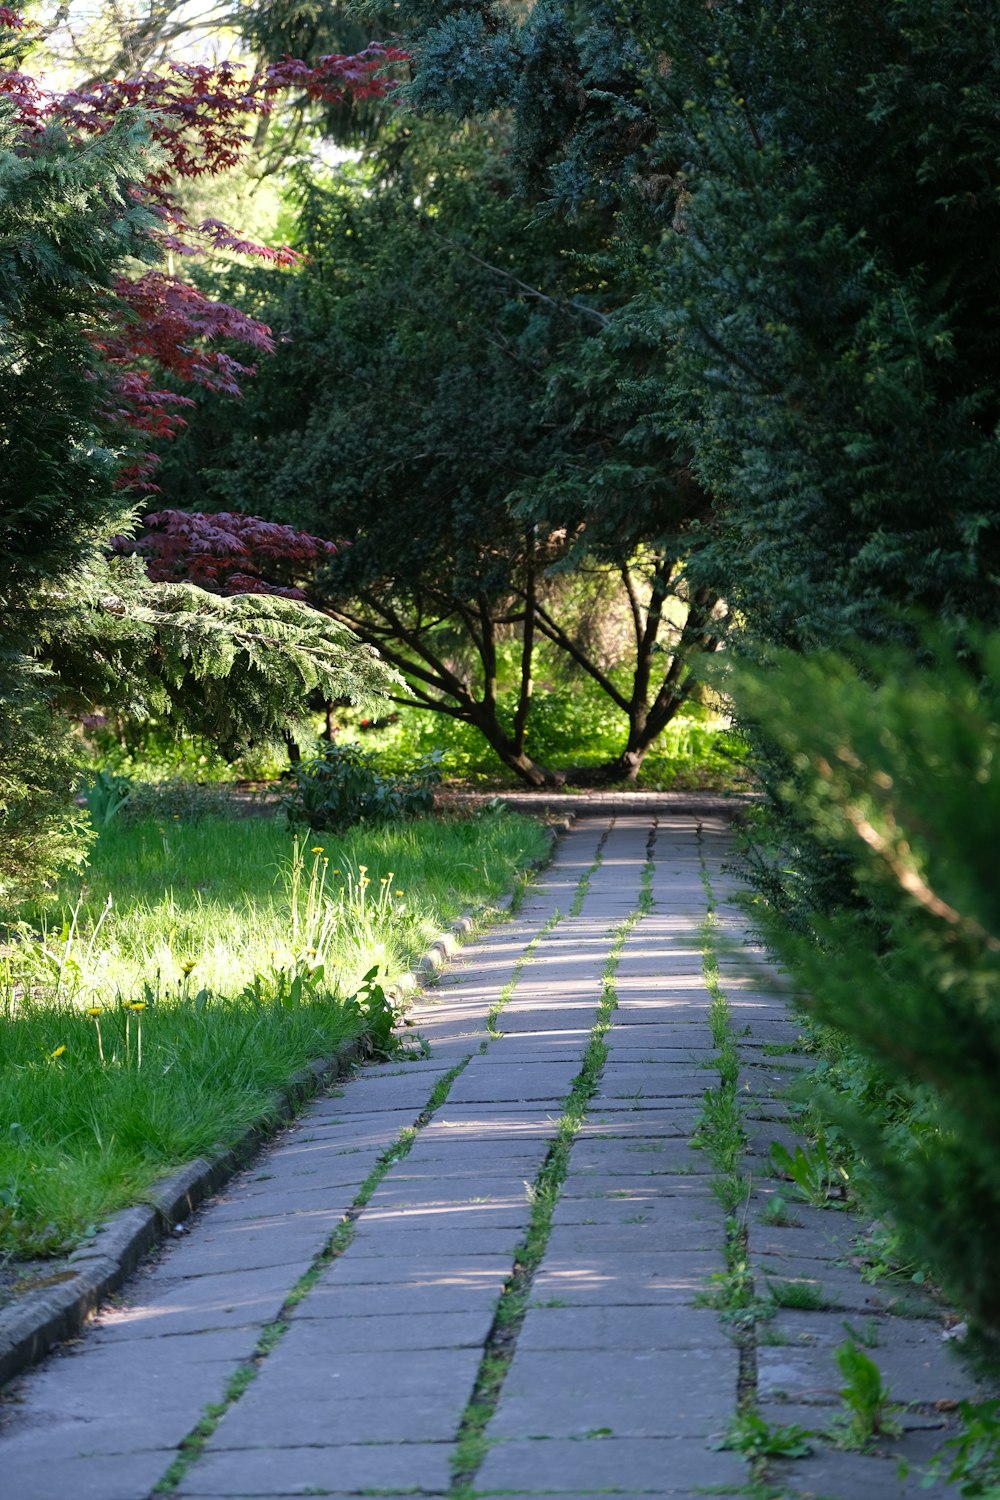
(151, 1018)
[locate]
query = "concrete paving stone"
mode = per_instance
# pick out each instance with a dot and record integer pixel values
(669, 979)
(677, 1120)
(40, 1472)
(236, 1246)
(241, 1299)
(342, 1470)
(404, 1327)
(820, 1417)
(762, 1135)
(70, 1379)
(116, 1402)
(490, 1157)
(384, 1241)
(660, 1210)
(632, 1392)
(453, 1270)
(308, 1364)
(240, 1208)
(750, 1012)
(113, 1327)
(475, 1213)
(636, 1053)
(486, 1126)
(313, 1166)
(636, 1238)
(497, 1080)
(302, 1160)
(836, 1475)
(607, 1280)
(616, 1328)
(276, 1421)
(371, 1129)
(915, 1369)
(878, 1329)
(684, 1036)
(641, 1089)
(832, 1285)
(363, 1099)
(562, 1048)
(432, 1188)
(585, 1188)
(818, 1234)
(662, 1467)
(312, 1357)
(412, 1067)
(768, 1110)
(401, 1301)
(661, 1011)
(576, 1025)
(785, 1033)
(606, 1154)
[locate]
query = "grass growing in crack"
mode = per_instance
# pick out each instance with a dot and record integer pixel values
(515, 1297)
(720, 1133)
(493, 1014)
(803, 1296)
(583, 884)
(272, 1334)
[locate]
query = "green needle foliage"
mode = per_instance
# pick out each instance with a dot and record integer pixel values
(895, 768)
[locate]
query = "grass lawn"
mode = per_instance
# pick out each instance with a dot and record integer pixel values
(201, 964)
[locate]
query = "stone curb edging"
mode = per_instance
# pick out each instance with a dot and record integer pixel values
(598, 804)
(36, 1322)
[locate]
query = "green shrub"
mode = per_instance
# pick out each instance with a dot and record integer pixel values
(343, 785)
(894, 768)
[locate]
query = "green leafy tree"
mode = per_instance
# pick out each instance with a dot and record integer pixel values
(70, 625)
(442, 440)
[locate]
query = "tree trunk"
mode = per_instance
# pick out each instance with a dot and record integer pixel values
(489, 726)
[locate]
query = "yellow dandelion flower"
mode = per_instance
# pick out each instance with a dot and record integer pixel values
(316, 849)
(137, 1005)
(187, 966)
(58, 1052)
(93, 1010)
(399, 893)
(362, 868)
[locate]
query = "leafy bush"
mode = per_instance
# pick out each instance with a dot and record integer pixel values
(343, 785)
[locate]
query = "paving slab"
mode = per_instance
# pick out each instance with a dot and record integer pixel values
(657, 1466)
(42, 1471)
(613, 1329)
(403, 1300)
(914, 1369)
(345, 1469)
(171, 1305)
(396, 1242)
(610, 1281)
(625, 1392)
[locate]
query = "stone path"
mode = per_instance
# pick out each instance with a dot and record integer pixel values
(482, 1272)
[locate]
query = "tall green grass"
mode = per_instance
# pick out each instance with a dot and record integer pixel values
(140, 1031)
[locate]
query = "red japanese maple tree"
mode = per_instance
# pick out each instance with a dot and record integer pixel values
(160, 325)
(228, 553)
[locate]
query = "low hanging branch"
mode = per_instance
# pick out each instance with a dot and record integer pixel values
(196, 118)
